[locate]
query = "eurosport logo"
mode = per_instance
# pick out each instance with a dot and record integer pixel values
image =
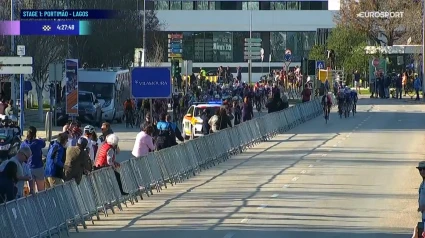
(380, 14)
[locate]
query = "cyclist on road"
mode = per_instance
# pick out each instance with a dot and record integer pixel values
(354, 98)
(327, 104)
(128, 112)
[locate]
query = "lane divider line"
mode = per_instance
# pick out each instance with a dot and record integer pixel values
(229, 235)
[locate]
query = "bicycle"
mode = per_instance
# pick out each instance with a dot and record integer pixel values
(326, 112)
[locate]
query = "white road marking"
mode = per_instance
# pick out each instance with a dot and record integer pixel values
(347, 136)
(336, 145)
(246, 220)
(318, 160)
(324, 155)
(295, 179)
(275, 195)
(311, 166)
(285, 186)
(303, 172)
(229, 235)
(262, 206)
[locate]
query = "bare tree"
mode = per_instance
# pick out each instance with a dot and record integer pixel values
(155, 58)
(112, 42)
(44, 50)
(388, 31)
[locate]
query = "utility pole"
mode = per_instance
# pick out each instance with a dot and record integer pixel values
(14, 82)
(250, 60)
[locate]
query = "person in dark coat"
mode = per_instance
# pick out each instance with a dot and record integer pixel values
(205, 116)
(275, 104)
(398, 86)
(223, 120)
(237, 113)
(247, 110)
(176, 130)
(8, 179)
(164, 138)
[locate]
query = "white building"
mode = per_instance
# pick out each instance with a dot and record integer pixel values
(212, 33)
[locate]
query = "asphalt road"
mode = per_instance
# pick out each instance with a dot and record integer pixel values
(353, 177)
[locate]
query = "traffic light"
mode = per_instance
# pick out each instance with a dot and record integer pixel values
(175, 68)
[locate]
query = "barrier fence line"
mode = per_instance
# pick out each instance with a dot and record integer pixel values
(69, 205)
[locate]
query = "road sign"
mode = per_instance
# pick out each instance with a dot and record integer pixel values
(20, 50)
(252, 44)
(15, 65)
(252, 57)
(375, 62)
(11, 60)
(252, 48)
(16, 70)
(256, 49)
(253, 40)
(252, 53)
(151, 82)
(288, 55)
(55, 72)
(320, 64)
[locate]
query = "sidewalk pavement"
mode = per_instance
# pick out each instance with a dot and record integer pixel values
(31, 119)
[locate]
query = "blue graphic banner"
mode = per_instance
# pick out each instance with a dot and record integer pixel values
(151, 82)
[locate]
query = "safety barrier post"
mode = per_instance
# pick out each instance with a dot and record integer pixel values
(48, 126)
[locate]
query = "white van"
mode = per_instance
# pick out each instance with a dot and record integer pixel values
(111, 86)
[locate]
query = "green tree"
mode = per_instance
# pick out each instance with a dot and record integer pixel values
(349, 46)
(317, 52)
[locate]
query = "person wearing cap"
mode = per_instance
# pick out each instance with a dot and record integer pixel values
(106, 156)
(77, 161)
(35, 161)
(88, 134)
(22, 175)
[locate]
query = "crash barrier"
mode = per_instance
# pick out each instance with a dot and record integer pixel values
(69, 205)
(48, 125)
(292, 93)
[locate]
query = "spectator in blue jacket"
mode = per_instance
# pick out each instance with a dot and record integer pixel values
(8, 179)
(176, 130)
(55, 160)
(35, 162)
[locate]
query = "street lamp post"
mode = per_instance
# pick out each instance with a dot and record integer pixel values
(423, 51)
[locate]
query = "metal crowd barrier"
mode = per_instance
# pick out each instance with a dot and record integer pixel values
(69, 205)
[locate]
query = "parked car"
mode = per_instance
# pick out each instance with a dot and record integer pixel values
(89, 110)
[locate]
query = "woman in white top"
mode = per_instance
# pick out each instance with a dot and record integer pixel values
(213, 121)
(144, 142)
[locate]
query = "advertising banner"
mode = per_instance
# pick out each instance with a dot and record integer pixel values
(71, 87)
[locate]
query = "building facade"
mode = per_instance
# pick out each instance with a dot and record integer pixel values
(212, 33)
